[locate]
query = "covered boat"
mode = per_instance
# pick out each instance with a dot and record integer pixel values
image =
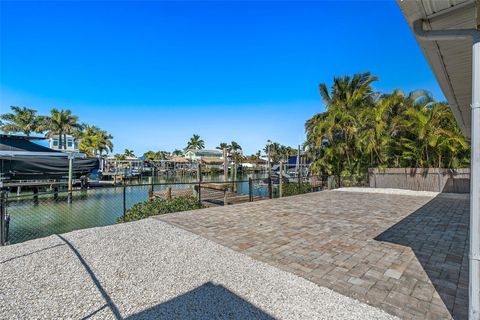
(22, 159)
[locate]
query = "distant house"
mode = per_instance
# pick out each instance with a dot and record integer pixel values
(196, 155)
(72, 143)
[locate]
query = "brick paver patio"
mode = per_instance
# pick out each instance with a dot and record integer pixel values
(404, 254)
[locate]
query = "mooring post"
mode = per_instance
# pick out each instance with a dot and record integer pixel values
(270, 187)
(3, 218)
(70, 176)
(199, 178)
(299, 182)
(250, 189)
(35, 195)
(280, 180)
(124, 192)
(152, 185)
(225, 165)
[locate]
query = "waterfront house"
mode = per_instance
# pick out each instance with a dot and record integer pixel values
(212, 162)
(196, 155)
(72, 143)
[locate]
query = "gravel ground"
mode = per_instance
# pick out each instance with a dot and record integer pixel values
(151, 270)
(391, 191)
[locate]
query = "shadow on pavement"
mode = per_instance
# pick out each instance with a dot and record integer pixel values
(438, 234)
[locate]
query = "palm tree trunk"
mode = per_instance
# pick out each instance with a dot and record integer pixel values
(60, 141)
(65, 141)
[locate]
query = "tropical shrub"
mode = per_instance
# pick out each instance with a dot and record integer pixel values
(362, 129)
(159, 206)
(293, 188)
(212, 171)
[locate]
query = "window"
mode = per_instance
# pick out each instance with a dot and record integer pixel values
(55, 142)
(69, 143)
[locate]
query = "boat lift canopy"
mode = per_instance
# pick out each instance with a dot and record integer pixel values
(21, 159)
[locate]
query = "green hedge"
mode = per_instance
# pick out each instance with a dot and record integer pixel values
(158, 206)
(293, 188)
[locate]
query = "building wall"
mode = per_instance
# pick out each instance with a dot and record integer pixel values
(202, 154)
(72, 145)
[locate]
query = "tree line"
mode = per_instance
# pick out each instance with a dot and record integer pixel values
(362, 129)
(59, 123)
(278, 152)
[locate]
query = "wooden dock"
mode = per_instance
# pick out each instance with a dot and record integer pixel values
(211, 196)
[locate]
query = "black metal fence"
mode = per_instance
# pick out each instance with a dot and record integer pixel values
(33, 214)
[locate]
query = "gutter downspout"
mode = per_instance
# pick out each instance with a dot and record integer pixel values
(474, 258)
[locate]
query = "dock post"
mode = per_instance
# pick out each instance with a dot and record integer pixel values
(225, 165)
(280, 180)
(199, 178)
(3, 218)
(70, 176)
(250, 189)
(234, 184)
(299, 181)
(124, 193)
(151, 187)
(55, 193)
(270, 187)
(35, 195)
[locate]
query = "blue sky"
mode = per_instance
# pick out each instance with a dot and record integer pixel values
(154, 73)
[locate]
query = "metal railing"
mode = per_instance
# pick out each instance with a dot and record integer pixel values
(33, 214)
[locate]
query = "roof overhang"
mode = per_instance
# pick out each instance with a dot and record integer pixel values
(450, 60)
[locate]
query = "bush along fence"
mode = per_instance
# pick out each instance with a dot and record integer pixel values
(46, 210)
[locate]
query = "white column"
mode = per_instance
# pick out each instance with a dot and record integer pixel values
(474, 287)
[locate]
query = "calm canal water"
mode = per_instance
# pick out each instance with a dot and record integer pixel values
(95, 207)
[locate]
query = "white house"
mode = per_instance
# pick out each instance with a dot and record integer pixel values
(72, 144)
(195, 154)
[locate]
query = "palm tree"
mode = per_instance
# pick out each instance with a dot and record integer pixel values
(119, 156)
(21, 119)
(235, 152)
(129, 153)
(235, 147)
(60, 123)
(223, 145)
(339, 125)
(177, 152)
(94, 141)
(162, 155)
(150, 155)
(362, 129)
(195, 143)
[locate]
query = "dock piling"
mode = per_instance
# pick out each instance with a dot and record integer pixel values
(250, 189)
(280, 180)
(3, 218)
(124, 193)
(199, 178)
(270, 187)
(35, 196)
